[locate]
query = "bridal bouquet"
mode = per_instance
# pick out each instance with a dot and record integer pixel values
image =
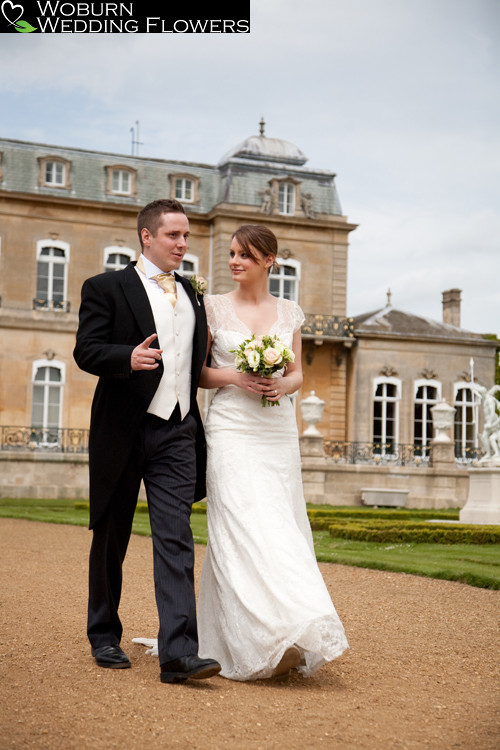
(262, 355)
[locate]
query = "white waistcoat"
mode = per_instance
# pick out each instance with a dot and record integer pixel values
(175, 329)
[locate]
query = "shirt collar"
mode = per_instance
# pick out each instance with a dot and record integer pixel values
(150, 268)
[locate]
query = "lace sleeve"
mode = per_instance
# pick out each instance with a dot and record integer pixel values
(210, 308)
(298, 317)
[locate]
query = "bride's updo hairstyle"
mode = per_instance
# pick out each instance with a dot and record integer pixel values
(251, 237)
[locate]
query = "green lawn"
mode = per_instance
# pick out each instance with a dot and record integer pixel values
(475, 564)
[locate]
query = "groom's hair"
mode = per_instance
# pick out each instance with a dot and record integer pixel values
(150, 216)
(251, 237)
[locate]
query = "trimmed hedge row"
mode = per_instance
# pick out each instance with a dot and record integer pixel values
(389, 513)
(416, 533)
(378, 525)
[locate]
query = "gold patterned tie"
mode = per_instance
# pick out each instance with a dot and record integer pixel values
(167, 282)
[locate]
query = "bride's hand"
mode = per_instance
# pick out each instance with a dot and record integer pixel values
(252, 383)
(271, 388)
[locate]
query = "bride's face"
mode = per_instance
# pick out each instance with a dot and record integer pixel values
(244, 267)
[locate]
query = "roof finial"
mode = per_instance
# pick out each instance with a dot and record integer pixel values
(262, 125)
(389, 295)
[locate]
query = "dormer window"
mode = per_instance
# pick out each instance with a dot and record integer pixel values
(281, 198)
(120, 180)
(184, 188)
(54, 172)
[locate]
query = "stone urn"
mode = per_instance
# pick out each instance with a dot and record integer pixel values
(443, 416)
(312, 411)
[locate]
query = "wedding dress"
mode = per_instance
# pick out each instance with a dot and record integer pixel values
(261, 590)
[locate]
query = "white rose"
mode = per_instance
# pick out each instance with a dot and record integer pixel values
(288, 354)
(272, 356)
(253, 359)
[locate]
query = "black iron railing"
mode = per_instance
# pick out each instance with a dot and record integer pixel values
(381, 454)
(62, 305)
(390, 454)
(60, 440)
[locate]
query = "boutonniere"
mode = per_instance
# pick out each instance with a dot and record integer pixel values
(199, 285)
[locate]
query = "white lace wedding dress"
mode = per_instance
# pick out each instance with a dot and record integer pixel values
(261, 590)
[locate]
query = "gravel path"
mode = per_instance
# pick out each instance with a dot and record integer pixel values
(422, 671)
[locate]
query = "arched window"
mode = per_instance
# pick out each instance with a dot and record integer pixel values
(466, 404)
(189, 266)
(51, 275)
(284, 282)
(116, 258)
(427, 395)
(47, 398)
(386, 397)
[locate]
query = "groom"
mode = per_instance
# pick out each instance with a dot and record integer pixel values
(147, 347)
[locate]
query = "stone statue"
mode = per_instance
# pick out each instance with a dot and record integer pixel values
(307, 202)
(490, 436)
(267, 201)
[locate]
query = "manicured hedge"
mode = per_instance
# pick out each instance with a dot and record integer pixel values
(416, 533)
(360, 512)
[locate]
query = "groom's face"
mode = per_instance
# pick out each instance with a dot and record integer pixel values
(166, 248)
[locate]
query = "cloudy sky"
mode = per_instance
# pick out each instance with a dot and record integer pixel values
(400, 98)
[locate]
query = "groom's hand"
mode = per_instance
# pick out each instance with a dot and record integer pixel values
(144, 358)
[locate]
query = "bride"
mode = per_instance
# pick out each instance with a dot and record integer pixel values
(263, 607)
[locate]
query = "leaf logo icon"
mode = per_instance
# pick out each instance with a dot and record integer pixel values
(12, 13)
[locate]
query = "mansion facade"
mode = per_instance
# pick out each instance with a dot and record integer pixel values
(67, 214)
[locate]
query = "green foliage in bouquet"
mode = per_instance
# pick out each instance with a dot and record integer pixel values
(263, 356)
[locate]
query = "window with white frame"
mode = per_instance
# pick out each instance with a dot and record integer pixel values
(116, 258)
(54, 172)
(386, 397)
(427, 395)
(51, 275)
(47, 398)
(284, 281)
(188, 266)
(286, 198)
(466, 404)
(120, 180)
(184, 187)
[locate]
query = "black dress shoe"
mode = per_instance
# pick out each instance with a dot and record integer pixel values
(111, 657)
(180, 669)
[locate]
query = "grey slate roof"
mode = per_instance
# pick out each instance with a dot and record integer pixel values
(240, 177)
(391, 322)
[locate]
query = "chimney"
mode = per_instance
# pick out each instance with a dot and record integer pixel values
(451, 307)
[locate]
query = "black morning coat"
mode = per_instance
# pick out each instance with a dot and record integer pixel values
(115, 316)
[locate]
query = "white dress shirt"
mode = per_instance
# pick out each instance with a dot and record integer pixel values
(175, 329)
